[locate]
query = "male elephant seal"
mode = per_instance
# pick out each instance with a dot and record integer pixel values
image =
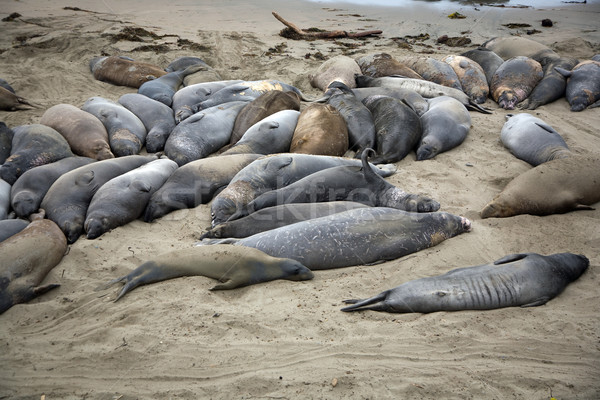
(126, 133)
(157, 119)
(445, 125)
(6, 137)
(532, 140)
(356, 237)
(33, 145)
(124, 198)
(123, 71)
(320, 130)
(339, 68)
(514, 80)
(86, 135)
(164, 87)
(27, 257)
(398, 128)
(383, 64)
(348, 183)
(272, 172)
(487, 60)
(232, 266)
(524, 280)
(552, 86)
(195, 183)
(554, 187)
(68, 198)
(471, 77)
(29, 190)
(583, 85)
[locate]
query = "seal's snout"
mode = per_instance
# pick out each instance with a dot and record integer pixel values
(466, 224)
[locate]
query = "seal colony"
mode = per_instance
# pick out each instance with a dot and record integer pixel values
(461, 179)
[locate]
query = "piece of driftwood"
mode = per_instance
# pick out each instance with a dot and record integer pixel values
(324, 34)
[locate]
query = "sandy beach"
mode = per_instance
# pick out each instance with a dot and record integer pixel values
(283, 339)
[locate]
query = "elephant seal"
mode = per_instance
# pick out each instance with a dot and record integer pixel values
(27, 257)
(124, 198)
(270, 135)
(5, 189)
(513, 46)
(320, 130)
(195, 183)
(471, 77)
(123, 71)
(9, 101)
(514, 80)
(525, 280)
(232, 266)
(348, 183)
(6, 137)
(554, 187)
(126, 133)
(164, 87)
(157, 119)
(29, 190)
(181, 63)
(398, 128)
(203, 133)
(276, 217)
(383, 64)
(583, 85)
(433, 70)
(340, 68)
(67, 200)
(359, 120)
(10, 227)
(532, 140)
(487, 60)
(33, 145)
(185, 98)
(445, 126)
(263, 106)
(413, 99)
(272, 172)
(361, 236)
(552, 86)
(86, 135)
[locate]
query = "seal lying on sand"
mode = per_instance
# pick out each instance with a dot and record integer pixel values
(232, 266)
(583, 85)
(525, 280)
(124, 71)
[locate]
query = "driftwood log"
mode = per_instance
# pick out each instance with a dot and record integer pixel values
(324, 34)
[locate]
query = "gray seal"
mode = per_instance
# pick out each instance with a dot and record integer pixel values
(5, 189)
(532, 140)
(414, 100)
(487, 60)
(583, 85)
(433, 70)
(10, 227)
(232, 266)
(513, 46)
(445, 126)
(361, 236)
(6, 137)
(185, 98)
(164, 87)
(552, 86)
(340, 68)
(525, 280)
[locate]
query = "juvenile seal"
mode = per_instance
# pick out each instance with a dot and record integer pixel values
(554, 187)
(9, 101)
(552, 86)
(361, 236)
(33, 145)
(583, 85)
(398, 128)
(123, 71)
(525, 280)
(164, 87)
(6, 137)
(514, 80)
(29, 190)
(181, 63)
(340, 68)
(203, 133)
(512, 46)
(27, 257)
(126, 133)
(383, 64)
(67, 200)
(532, 140)
(487, 60)
(263, 106)
(157, 119)
(320, 130)
(86, 135)
(433, 70)
(445, 126)
(232, 266)
(185, 98)
(10, 227)
(471, 76)
(124, 198)
(272, 134)
(195, 183)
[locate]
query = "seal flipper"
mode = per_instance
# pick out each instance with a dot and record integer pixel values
(537, 302)
(476, 107)
(510, 258)
(358, 305)
(39, 290)
(228, 284)
(563, 72)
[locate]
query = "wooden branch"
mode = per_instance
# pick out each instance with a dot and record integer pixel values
(323, 34)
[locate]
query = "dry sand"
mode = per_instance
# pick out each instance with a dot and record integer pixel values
(284, 339)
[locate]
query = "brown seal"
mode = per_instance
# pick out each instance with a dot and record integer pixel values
(383, 64)
(124, 71)
(433, 70)
(339, 68)
(471, 76)
(86, 135)
(514, 81)
(9, 101)
(320, 130)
